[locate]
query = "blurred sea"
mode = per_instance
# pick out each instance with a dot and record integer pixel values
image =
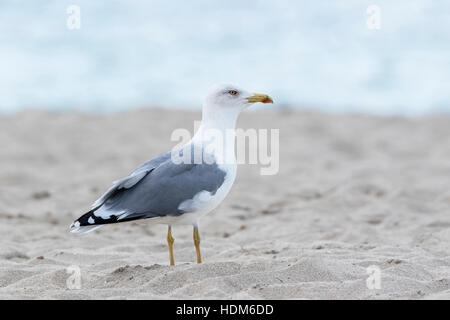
(306, 54)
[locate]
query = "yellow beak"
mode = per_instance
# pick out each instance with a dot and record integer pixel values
(259, 97)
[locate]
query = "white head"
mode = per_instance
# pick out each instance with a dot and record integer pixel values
(226, 101)
(231, 96)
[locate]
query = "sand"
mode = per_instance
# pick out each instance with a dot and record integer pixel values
(352, 192)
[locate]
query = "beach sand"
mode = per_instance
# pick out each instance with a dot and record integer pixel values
(353, 194)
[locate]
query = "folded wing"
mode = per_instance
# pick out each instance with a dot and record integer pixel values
(155, 189)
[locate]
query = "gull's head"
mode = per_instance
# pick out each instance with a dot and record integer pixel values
(231, 97)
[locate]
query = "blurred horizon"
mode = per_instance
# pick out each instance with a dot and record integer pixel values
(313, 56)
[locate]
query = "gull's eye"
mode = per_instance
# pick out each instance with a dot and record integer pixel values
(233, 92)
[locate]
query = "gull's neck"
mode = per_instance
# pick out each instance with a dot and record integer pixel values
(221, 119)
(218, 122)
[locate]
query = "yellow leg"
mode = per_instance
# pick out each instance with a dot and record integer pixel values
(170, 241)
(197, 244)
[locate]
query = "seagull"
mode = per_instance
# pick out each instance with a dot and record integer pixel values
(182, 185)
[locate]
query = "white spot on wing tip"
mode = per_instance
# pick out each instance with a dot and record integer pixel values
(74, 225)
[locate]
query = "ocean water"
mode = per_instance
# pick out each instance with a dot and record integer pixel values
(318, 55)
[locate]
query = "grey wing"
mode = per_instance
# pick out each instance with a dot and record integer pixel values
(132, 179)
(158, 193)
